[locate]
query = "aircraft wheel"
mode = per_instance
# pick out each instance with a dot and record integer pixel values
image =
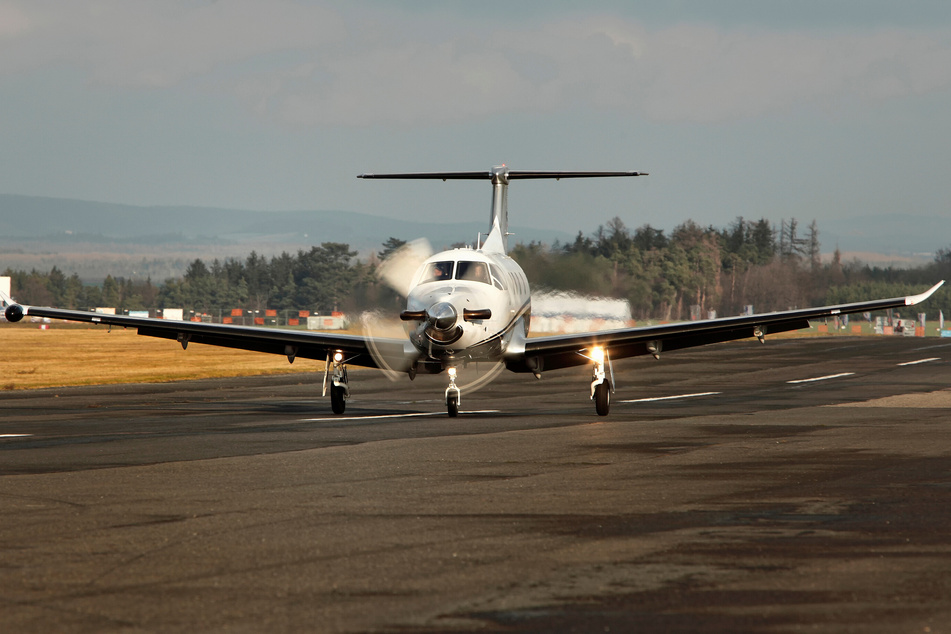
(602, 398)
(337, 402)
(452, 404)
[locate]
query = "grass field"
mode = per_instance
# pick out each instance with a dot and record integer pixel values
(35, 358)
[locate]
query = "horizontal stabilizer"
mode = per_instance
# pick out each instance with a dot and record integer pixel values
(504, 174)
(500, 177)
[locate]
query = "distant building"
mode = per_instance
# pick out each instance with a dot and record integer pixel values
(5, 287)
(336, 321)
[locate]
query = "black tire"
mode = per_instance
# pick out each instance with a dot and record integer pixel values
(602, 398)
(452, 404)
(337, 402)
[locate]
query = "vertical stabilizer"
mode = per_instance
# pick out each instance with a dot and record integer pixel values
(499, 214)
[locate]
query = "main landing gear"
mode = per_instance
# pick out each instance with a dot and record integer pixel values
(601, 387)
(336, 371)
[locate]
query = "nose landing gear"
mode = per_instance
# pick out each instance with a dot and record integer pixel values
(453, 394)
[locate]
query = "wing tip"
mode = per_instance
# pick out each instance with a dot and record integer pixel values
(911, 300)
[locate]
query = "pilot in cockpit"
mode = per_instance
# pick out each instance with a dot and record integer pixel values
(473, 272)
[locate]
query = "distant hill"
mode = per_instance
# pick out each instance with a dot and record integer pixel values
(58, 220)
(892, 234)
(65, 221)
(94, 239)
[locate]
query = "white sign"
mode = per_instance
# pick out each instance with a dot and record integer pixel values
(323, 322)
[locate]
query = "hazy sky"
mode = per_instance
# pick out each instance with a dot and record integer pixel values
(812, 109)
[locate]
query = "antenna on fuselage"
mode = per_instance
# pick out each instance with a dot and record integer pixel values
(500, 176)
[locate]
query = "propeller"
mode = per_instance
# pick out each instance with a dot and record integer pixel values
(477, 374)
(388, 345)
(443, 322)
(397, 271)
(398, 268)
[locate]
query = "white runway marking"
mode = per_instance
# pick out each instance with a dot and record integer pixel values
(919, 361)
(405, 415)
(940, 345)
(15, 435)
(822, 378)
(670, 398)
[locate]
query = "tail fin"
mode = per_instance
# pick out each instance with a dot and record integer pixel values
(500, 177)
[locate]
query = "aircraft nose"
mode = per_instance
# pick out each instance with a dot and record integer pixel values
(442, 316)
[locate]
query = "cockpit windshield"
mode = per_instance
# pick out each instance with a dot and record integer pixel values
(465, 271)
(437, 272)
(473, 272)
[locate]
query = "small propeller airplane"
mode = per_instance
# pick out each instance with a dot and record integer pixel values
(469, 305)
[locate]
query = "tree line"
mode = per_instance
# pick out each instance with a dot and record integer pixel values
(689, 272)
(323, 279)
(695, 270)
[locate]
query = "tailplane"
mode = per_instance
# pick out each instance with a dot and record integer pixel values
(500, 177)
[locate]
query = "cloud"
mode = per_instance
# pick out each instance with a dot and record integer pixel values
(13, 21)
(307, 64)
(689, 73)
(702, 74)
(157, 44)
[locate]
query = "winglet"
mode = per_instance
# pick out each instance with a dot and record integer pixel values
(917, 299)
(6, 300)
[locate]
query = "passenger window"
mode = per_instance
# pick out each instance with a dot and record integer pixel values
(473, 272)
(437, 272)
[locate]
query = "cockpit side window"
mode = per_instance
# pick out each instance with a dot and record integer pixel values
(473, 272)
(497, 277)
(437, 272)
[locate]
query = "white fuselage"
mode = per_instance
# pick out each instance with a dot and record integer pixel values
(474, 301)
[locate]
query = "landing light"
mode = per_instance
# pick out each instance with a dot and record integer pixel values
(452, 372)
(597, 354)
(338, 356)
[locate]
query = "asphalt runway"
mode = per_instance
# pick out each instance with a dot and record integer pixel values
(804, 485)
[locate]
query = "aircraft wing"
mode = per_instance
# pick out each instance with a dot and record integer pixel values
(290, 343)
(561, 351)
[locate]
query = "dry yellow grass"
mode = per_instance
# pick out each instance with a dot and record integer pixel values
(66, 355)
